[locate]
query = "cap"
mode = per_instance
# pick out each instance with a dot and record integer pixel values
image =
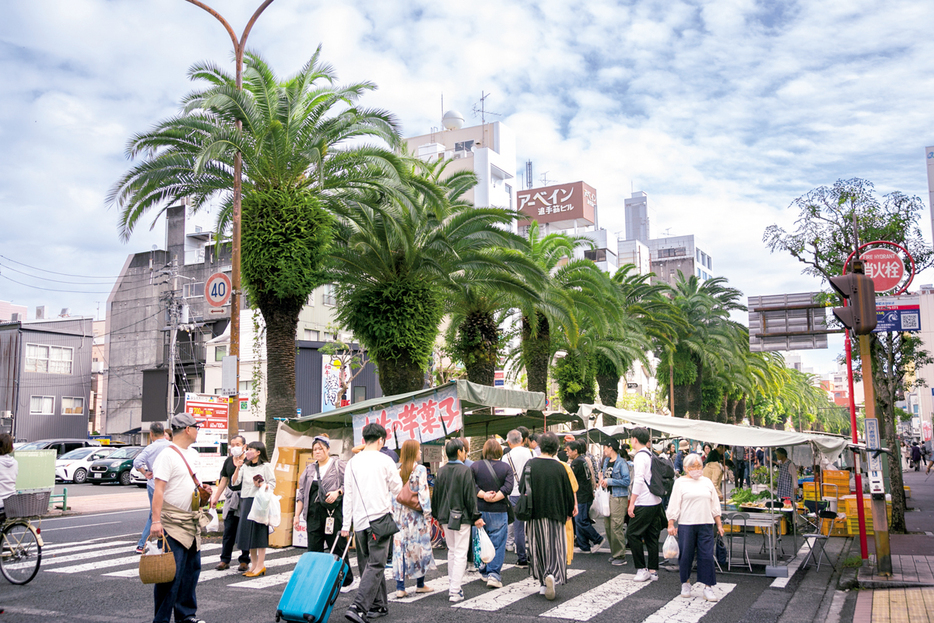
(183, 420)
(684, 445)
(612, 443)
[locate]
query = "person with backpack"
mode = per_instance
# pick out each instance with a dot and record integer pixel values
(585, 536)
(646, 516)
(615, 476)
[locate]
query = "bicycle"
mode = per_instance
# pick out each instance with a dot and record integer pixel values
(21, 541)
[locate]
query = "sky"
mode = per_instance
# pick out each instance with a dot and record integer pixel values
(722, 111)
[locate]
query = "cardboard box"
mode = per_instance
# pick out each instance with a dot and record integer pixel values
(282, 536)
(286, 473)
(304, 459)
(289, 456)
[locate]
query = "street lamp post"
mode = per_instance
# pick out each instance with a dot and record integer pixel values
(233, 414)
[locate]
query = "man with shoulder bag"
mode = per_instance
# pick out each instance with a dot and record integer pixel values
(371, 483)
(454, 505)
(176, 504)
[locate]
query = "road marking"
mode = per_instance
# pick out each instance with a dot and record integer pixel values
(508, 595)
(106, 523)
(55, 551)
(689, 610)
(55, 545)
(134, 510)
(793, 566)
(588, 605)
(116, 562)
(85, 556)
(283, 578)
(442, 584)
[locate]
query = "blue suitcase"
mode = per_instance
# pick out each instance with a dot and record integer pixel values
(314, 586)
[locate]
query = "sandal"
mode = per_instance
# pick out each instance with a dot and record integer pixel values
(401, 594)
(424, 589)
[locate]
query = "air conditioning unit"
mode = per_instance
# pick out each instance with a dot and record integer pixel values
(16, 317)
(40, 312)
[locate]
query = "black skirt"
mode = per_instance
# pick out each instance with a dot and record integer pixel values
(251, 535)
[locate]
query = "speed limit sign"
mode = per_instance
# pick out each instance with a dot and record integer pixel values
(217, 290)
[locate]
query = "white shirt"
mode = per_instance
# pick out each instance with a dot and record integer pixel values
(170, 467)
(9, 468)
(371, 483)
(693, 502)
(517, 458)
(641, 476)
(245, 475)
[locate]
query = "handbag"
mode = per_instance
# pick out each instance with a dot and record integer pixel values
(409, 498)
(158, 568)
(523, 508)
(455, 519)
(204, 494)
(720, 552)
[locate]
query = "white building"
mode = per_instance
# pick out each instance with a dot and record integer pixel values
(637, 217)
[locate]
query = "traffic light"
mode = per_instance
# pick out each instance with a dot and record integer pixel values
(859, 293)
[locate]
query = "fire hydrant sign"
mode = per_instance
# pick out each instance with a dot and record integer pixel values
(884, 267)
(422, 419)
(898, 313)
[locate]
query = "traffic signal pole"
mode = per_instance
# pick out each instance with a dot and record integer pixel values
(880, 524)
(860, 511)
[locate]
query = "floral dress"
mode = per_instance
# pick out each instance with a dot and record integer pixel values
(411, 546)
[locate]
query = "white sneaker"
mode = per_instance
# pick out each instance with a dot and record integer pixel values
(686, 590)
(653, 576)
(494, 583)
(510, 547)
(456, 597)
(709, 594)
(541, 590)
(642, 575)
(352, 586)
(472, 569)
(550, 587)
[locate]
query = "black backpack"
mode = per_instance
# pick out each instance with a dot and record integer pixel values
(663, 475)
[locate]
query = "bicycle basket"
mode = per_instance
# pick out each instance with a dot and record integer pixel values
(27, 504)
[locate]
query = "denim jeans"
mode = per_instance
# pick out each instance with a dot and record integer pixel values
(496, 528)
(518, 531)
(179, 595)
(145, 535)
(697, 538)
(585, 534)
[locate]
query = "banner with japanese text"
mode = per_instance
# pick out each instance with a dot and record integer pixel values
(210, 409)
(422, 419)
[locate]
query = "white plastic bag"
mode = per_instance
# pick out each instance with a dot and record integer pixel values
(275, 512)
(259, 512)
(670, 549)
(487, 551)
(601, 503)
(214, 525)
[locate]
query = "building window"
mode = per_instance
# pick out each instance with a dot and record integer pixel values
(329, 295)
(246, 386)
(49, 359)
(311, 299)
(72, 406)
(595, 255)
(675, 252)
(41, 405)
(193, 290)
(311, 335)
(709, 263)
(219, 353)
(463, 146)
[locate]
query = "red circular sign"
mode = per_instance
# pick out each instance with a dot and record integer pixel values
(885, 267)
(217, 290)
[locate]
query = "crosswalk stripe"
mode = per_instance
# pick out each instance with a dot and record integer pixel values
(115, 562)
(588, 605)
(52, 552)
(441, 584)
(799, 558)
(509, 594)
(211, 574)
(57, 545)
(85, 556)
(688, 610)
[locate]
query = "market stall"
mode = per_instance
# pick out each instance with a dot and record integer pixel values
(828, 446)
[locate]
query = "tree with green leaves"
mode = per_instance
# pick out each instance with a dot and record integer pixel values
(302, 159)
(823, 238)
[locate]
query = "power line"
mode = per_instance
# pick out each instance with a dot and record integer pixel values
(56, 290)
(62, 274)
(54, 280)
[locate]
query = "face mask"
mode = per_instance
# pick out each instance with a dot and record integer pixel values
(695, 473)
(236, 450)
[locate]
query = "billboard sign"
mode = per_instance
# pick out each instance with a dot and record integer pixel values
(209, 409)
(898, 313)
(562, 202)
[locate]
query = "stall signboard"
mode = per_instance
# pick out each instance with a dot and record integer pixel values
(334, 374)
(898, 313)
(210, 409)
(874, 442)
(423, 419)
(925, 431)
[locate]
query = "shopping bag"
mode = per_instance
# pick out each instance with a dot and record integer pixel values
(670, 549)
(601, 503)
(275, 512)
(259, 512)
(487, 551)
(214, 525)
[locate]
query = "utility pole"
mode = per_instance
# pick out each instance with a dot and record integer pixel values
(880, 523)
(172, 308)
(233, 413)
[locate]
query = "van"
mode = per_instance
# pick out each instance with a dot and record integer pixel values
(212, 452)
(61, 446)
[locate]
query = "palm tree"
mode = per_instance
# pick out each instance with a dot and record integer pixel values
(302, 160)
(396, 257)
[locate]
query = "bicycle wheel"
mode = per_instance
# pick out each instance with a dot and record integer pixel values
(20, 553)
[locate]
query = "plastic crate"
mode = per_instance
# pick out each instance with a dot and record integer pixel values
(27, 504)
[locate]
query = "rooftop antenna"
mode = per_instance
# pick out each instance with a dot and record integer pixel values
(545, 180)
(528, 174)
(666, 233)
(482, 111)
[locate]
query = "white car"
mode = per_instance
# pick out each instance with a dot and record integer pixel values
(73, 466)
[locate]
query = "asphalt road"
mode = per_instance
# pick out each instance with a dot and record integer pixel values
(87, 489)
(88, 574)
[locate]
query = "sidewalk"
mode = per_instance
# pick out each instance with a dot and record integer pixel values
(909, 593)
(106, 502)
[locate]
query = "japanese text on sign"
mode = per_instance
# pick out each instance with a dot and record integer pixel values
(422, 419)
(208, 409)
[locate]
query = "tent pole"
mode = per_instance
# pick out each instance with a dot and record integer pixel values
(772, 513)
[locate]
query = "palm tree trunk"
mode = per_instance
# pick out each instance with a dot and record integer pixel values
(536, 352)
(478, 343)
(609, 389)
(281, 318)
(400, 375)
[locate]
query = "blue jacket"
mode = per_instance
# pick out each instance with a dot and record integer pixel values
(619, 480)
(679, 462)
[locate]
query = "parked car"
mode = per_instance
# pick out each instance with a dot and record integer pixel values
(61, 446)
(137, 478)
(115, 468)
(73, 466)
